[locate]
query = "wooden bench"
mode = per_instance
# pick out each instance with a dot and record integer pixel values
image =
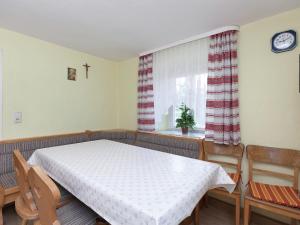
(9, 191)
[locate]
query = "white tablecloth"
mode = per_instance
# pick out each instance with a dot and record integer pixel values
(129, 185)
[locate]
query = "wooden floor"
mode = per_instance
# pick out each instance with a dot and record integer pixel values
(217, 213)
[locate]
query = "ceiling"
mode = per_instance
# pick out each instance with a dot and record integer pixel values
(120, 29)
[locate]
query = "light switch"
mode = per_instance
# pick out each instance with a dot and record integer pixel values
(18, 117)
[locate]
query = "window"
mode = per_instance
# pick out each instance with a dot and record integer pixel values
(180, 76)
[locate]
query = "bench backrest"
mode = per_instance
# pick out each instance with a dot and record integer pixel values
(28, 145)
(123, 136)
(183, 146)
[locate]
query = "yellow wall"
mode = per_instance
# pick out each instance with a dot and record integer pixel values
(127, 93)
(35, 83)
(269, 88)
(269, 85)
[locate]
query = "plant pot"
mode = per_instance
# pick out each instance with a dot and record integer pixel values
(184, 130)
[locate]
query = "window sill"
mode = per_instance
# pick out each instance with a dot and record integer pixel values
(191, 133)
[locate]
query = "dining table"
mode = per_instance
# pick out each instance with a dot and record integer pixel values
(131, 185)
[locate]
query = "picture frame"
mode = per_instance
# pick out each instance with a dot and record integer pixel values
(72, 74)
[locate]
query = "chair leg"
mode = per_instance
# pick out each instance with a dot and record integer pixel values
(1, 217)
(23, 222)
(246, 212)
(237, 210)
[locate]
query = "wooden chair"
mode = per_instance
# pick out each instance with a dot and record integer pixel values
(234, 152)
(260, 195)
(24, 203)
(47, 196)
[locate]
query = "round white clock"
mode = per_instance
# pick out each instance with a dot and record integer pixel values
(284, 41)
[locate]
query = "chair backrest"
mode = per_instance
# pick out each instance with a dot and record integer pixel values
(21, 169)
(275, 156)
(230, 151)
(46, 195)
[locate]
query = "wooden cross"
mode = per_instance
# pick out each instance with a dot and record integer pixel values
(86, 70)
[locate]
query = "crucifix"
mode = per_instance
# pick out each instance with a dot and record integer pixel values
(86, 70)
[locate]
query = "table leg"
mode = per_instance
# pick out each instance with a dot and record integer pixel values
(197, 215)
(100, 221)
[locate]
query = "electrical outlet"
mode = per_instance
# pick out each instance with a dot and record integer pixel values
(18, 117)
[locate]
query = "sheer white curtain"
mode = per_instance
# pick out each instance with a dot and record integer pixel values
(180, 76)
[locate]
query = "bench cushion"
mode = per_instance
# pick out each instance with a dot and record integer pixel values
(173, 145)
(281, 195)
(76, 213)
(27, 147)
(8, 180)
(126, 137)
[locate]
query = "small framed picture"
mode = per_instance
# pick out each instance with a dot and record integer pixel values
(72, 74)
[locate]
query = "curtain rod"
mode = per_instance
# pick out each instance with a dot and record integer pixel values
(193, 38)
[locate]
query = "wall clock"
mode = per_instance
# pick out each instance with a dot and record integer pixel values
(284, 41)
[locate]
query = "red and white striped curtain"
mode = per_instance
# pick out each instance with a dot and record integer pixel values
(146, 121)
(222, 104)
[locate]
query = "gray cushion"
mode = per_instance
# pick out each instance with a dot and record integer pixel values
(76, 213)
(8, 180)
(173, 145)
(119, 136)
(28, 147)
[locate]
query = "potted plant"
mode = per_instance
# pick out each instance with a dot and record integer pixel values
(186, 119)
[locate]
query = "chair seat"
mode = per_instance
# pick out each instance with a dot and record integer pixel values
(76, 213)
(281, 195)
(258, 202)
(8, 180)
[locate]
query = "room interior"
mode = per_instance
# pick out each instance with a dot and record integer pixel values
(68, 78)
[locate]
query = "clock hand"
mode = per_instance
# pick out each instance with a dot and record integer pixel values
(284, 40)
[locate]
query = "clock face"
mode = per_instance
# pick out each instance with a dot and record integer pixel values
(284, 41)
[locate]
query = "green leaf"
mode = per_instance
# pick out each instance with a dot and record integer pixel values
(186, 117)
